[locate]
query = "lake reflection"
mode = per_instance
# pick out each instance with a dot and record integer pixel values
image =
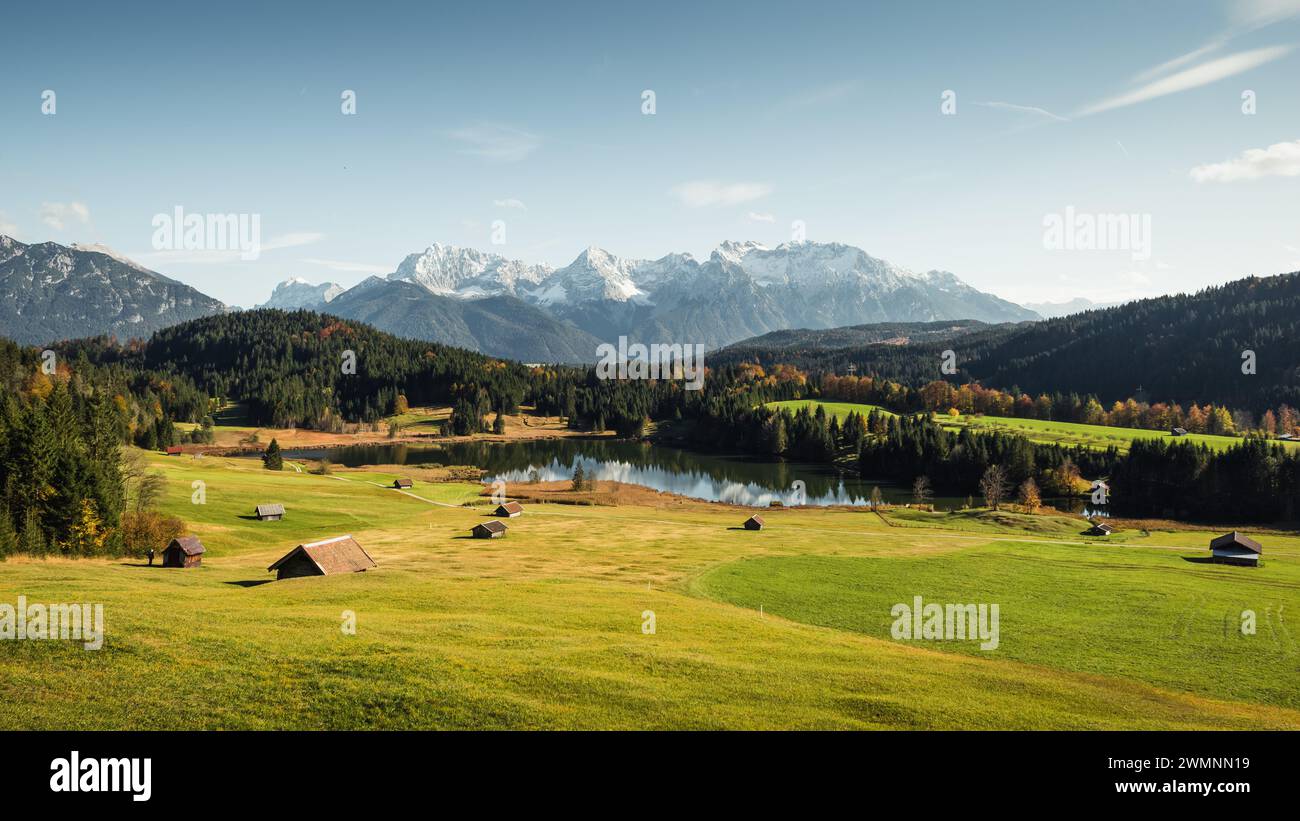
(736, 480)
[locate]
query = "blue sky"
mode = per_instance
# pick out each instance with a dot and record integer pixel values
(766, 113)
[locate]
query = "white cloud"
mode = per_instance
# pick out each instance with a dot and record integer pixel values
(510, 203)
(757, 217)
(496, 143)
(1278, 160)
(704, 193)
(57, 215)
(1188, 79)
(350, 267)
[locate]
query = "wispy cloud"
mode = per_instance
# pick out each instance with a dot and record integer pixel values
(757, 217)
(495, 143)
(1024, 109)
(349, 267)
(57, 215)
(292, 240)
(1188, 79)
(510, 203)
(1278, 160)
(705, 193)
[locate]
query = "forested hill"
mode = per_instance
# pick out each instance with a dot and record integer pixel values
(308, 369)
(1174, 348)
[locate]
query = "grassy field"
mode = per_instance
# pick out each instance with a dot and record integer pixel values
(1037, 430)
(544, 628)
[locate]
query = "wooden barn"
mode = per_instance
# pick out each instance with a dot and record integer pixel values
(1100, 529)
(1234, 548)
(341, 554)
(754, 522)
(1178, 431)
(489, 530)
(184, 551)
(402, 484)
(269, 513)
(173, 450)
(509, 510)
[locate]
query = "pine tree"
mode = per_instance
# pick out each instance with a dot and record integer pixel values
(499, 424)
(8, 538)
(32, 541)
(272, 459)
(579, 478)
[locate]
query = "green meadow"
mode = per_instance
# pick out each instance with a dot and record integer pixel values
(550, 627)
(1036, 430)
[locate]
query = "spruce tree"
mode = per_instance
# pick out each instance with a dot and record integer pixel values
(271, 459)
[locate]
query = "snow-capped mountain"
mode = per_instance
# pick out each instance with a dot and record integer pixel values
(1051, 310)
(296, 292)
(50, 292)
(743, 289)
(467, 273)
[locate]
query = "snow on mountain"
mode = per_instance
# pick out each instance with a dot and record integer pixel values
(468, 273)
(296, 292)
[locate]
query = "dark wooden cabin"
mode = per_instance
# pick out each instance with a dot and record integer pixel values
(402, 484)
(754, 522)
(269, 513)
(489, 530)
(510, 510)
(183, 551)
(1234, 548)
(1178, 431)
(1100, 529)
(341, 554)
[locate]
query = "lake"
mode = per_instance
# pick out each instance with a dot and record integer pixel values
(739, 480)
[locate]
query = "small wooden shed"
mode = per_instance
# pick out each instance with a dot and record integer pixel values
(269, 513)
(489, 530)
(402, 484)
(510, 510)
(342, 554)
(1234, 548)
(173, 450)
(183, 551)
(754, 522)
(1100, 529)
(1178, 431)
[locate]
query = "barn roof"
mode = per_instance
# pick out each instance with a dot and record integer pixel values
(493, 526)
(1236, 539)
(276, 509)
(402, 482)
(173, 449)
(756, 519)
(190, 544)
(510, 507)
(341, 554)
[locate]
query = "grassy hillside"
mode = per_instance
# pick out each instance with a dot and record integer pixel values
(544, 629)
(1036, 430)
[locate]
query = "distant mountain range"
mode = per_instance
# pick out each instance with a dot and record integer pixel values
(535, 313)
(463, 296)
(1052, 310)
(50, 292)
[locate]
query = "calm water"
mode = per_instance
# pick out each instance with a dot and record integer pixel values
(736, 480)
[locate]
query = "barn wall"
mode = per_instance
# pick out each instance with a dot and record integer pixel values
(296, 567)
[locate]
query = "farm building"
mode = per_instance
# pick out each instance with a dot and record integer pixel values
(401, 484)
(1234, 548)
(269, 513)
(341, 554)
(754, 522)
(1178, 431)
(489, 530)
(510, 510)
(183, 551)
(1100, 529)
(173, 450)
